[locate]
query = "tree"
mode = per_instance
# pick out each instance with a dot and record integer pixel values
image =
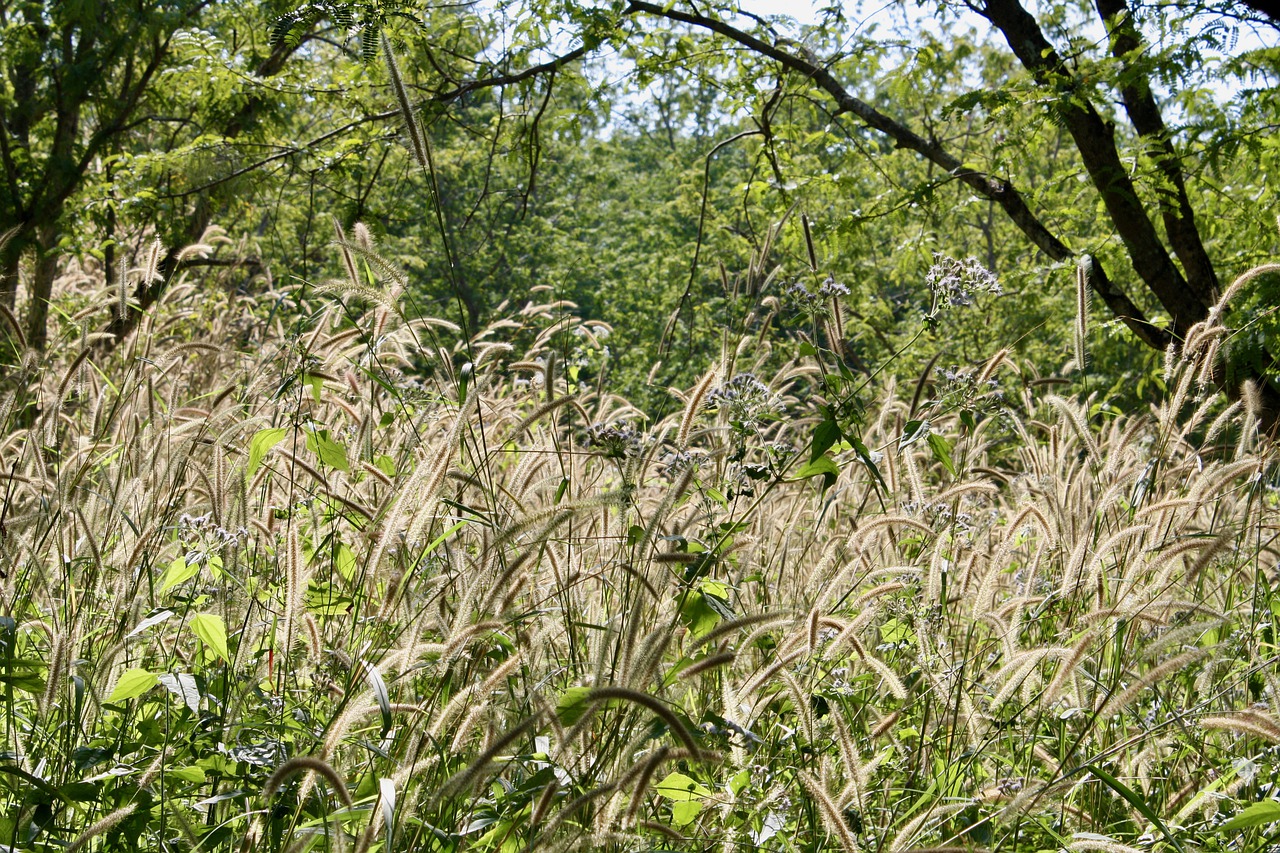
(1173, 266)
(81, 86)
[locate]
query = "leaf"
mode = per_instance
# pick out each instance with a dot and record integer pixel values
(132, 684)
(574, 702)
(913, 432)
(330, 452)
(1258, 814)
(150, 621)
(679, 788)
(183, 686)
(316, 383)
(942, 451)
(895, 631)
(439, 540)
(379, 688)
(683, 814)
(387, 790)
(261, 443)
(826, 466)
(385, 464)
(825, 435)
(345, 562)
(867, 459)
(178, 572)
(1134, 800)
(211, 631)
(186, 774)
(698, 615)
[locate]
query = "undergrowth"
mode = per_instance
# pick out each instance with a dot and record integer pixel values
(301, 572)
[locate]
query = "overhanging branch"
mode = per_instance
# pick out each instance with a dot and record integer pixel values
(1000, 191)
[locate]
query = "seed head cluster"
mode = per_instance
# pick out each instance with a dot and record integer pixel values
(954, 282)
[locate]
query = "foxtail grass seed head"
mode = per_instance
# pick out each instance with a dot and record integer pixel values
(1083, 268)
(636, 603)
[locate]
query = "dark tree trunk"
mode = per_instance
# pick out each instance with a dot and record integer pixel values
(46, 270)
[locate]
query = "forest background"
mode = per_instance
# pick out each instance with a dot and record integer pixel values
(568, 425)
(620, 160)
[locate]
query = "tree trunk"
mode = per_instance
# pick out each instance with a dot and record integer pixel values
(46, 270)
(10, 263)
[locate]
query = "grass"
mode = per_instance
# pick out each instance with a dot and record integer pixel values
(299, 573)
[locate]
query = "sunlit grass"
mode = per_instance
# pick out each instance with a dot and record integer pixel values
(298, 572)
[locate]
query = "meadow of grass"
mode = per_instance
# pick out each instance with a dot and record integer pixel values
(300, 572)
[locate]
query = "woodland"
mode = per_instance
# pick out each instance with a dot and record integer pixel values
(521, 425)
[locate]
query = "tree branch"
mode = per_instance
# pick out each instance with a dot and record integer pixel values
(999, 191)
(1144, 114)
(1095, 140)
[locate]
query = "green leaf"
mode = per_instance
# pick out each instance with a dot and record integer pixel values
(440, 540)
(574, 702)
(330, 452)
(679, 788)
(211, 631)
(825, 435)
(895, 631)
(1258, 814)
(913, 432)
(186, 774)
(132, 684)
(316, 383)
(698, 615)
(385, 464)
(177, 573)
(942, 451)
(683, 814)
(865, 455)
(345, 562)
(261, 443)
(1136, 801)
(824, 465)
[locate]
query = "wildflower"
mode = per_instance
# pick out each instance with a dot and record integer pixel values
(832, 289)
(953, 282)
(679, 461)
(745, 400)
(616, 440)
(804, 299)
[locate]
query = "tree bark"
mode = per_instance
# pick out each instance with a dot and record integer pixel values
(1144, 114)
(46, 270)
(1095, 140)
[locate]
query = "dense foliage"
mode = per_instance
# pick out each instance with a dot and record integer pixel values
(615, 426)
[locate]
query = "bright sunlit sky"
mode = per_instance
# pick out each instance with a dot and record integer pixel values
(805, 11)
(885, 14)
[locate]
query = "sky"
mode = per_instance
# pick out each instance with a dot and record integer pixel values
(805, 11)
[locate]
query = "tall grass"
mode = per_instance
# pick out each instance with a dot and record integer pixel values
(299, 572)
